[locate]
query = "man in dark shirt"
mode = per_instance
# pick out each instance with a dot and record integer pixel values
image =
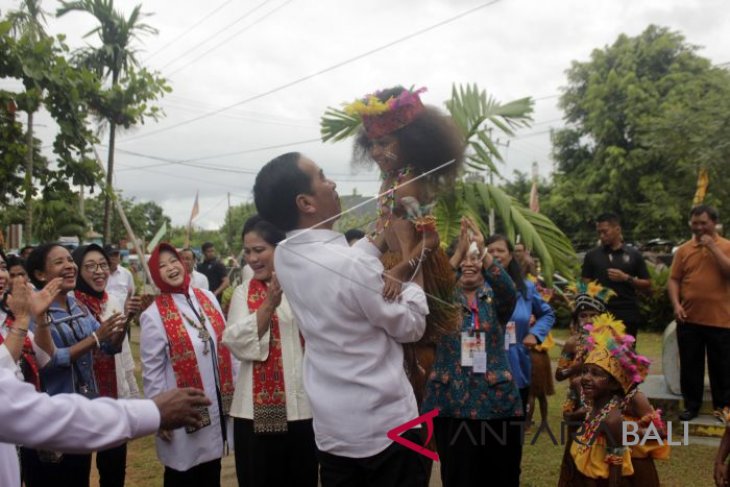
(214, 270)
(620, 267)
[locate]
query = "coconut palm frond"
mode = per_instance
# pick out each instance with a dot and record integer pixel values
(538, 233)
(477, 115)
(336, 125)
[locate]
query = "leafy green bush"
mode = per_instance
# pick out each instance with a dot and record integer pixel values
(656, 308)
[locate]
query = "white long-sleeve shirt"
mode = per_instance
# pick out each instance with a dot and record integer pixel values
(199, 280)
(120, 284)
(353, 359)
(185, 450)
(64, 422)
(242, 339)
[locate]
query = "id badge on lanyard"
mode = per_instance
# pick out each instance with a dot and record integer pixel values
(473, 351)
(510, 335)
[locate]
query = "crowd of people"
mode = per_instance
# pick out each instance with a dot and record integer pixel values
(334, 340)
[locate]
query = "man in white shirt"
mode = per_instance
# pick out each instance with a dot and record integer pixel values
(121, 282)
(353, 362)
(71, 423)
(197, 279)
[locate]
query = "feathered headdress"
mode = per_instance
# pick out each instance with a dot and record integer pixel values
(379, 117)
(590, 295)
(610, 348)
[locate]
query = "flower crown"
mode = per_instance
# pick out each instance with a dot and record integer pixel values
(610, 348)
(379, 117)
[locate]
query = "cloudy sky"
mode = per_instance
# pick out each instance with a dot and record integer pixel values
(252, 77)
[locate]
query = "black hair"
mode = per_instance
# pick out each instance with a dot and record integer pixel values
(277, 186)
(26, 248)
(428, 141)
(207, 245)
(37, 262)
(13, 260)
(78, 255)
(609, 217)
(264, 229)
(513, 269)
(354, 234)
(188, 249)
(700, 209)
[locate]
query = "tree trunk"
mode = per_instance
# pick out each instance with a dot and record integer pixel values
(109, 188)
(28, 230)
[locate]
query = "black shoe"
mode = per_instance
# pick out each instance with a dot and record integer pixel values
(688, 415)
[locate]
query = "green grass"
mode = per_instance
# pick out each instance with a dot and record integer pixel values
(688, 466)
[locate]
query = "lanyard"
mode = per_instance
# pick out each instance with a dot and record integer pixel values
(476, 326)
(216, 374)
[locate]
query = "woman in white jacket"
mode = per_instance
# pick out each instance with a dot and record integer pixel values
(180, 345)
(274, 440)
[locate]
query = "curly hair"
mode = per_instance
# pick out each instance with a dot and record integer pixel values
(429, 141)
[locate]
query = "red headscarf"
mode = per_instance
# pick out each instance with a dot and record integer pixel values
(154, 265)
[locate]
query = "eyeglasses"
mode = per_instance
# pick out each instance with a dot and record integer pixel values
(92, 266)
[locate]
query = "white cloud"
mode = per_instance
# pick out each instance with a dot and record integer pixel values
(513, 48)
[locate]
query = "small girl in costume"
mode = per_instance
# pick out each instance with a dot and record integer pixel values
(611, 373)
(419, 151)
(589, 302)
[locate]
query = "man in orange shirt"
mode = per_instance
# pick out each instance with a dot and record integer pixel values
(699, 288)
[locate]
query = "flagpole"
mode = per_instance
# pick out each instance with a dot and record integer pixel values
(127, 227)
(193, 214)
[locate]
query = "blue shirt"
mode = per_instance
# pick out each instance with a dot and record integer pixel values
(519, 356)
(59, 375)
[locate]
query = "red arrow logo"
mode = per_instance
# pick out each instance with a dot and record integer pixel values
(427, 418)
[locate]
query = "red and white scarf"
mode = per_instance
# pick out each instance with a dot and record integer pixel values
(105, 367)
(182, 354)
(269, 391)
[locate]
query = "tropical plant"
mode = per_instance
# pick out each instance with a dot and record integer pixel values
(476, 199)
(46, 78)
(478, 115)
(28, 22)
(125, 103)
(645, 115)
(231, 230)
(656, 308)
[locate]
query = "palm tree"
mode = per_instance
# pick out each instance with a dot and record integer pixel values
(28, 22)
(114, 58)
(478, 115)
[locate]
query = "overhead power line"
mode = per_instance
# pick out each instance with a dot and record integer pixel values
(315, 74)
(167, 161)
(218, 168)
(219, 32)
(197, 23)
(229, 38)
